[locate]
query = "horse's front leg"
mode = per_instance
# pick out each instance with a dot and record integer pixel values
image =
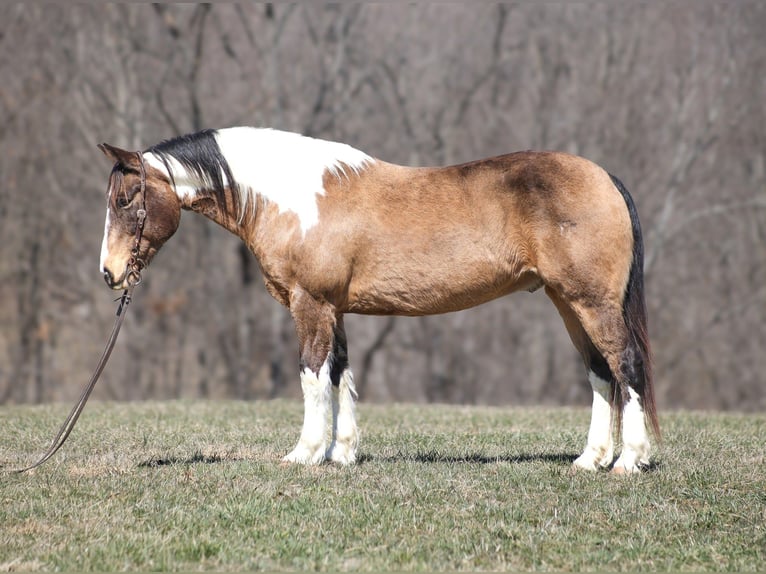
(324, 365)
(345, 435)
(312, 443)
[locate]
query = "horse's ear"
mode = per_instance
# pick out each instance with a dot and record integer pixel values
(120, 156)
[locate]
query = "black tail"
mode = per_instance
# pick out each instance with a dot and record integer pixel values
(636, 361)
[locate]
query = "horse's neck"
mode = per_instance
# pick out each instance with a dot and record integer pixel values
(227, 218)
(268, 167)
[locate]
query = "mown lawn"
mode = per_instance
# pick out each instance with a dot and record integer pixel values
(199, 486)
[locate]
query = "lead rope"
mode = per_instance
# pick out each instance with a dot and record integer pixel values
(133, 277)
(71, 420)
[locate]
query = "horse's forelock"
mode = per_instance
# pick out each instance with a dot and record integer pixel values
(115, 180)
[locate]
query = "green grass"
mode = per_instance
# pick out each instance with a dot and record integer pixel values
(199, 486)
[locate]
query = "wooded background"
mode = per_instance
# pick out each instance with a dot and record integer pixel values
(670, 97)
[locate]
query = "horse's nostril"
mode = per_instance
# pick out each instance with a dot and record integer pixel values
(108, 278)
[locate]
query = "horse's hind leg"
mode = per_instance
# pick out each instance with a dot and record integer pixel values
(635, 440)
(345, 436)
(612, 353)
(609, 333)
(599, 449)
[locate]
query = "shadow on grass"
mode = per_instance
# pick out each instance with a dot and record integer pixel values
(432, 457)
(196, 458)
(437, 457)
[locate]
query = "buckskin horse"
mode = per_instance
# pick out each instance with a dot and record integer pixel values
(337, 231)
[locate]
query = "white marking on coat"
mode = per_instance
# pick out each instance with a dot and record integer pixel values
(187, 183)
(635, 442)
(286, 168)
(600, 448)
(105, 240)
(345, 434)
(312, 445)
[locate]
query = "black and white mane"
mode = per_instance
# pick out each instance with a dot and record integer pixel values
(199, 155)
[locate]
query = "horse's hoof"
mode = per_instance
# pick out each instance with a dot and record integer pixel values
(340, 455)
(629, 463)
(589, 463)
(576, 469)
(302, 455)
(622, 470)
(582, 466)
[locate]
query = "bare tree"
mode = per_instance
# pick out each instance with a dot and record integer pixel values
(666, 97)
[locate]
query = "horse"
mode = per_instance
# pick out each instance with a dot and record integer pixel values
(337, 231)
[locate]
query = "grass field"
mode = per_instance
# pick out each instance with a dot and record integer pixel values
(199, 486)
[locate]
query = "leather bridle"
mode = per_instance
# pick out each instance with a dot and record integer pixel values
(135, 263)
(133, 278)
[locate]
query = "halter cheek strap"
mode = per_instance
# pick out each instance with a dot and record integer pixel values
(135, 263)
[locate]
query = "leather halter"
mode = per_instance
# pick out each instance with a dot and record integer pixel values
(133, 278)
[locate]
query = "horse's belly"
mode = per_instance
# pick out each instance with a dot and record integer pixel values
(427, 291)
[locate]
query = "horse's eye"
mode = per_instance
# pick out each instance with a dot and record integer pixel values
(122, 201)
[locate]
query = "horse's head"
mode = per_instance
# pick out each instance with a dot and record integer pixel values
(126, 196)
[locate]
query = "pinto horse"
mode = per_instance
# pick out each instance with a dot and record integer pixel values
(336, 231)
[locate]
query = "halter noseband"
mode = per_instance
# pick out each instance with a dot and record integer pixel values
(135, 263)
